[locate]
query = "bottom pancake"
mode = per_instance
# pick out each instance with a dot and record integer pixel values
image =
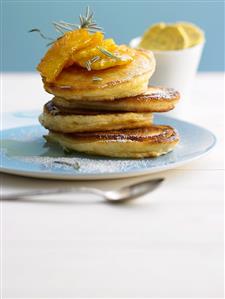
(77, 120)
(150, 141)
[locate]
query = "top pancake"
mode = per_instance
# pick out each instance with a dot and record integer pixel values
(155, 99)
(76, 83)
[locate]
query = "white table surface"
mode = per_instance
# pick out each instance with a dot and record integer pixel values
(166, 244)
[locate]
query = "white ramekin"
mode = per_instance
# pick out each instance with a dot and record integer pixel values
(176, 68)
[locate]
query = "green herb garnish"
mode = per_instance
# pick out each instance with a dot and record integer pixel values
(107, 53)
(41, 34)
(87, 21)
(90, 61)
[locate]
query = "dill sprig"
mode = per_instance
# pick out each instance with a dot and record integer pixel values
(87, 21)
(107, 53)
(41, 34)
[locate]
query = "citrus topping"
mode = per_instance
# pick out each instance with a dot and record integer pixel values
(163, 37)
(120, 56)
(107, 54)
(60, 52)
(86, 54)
(82, 48)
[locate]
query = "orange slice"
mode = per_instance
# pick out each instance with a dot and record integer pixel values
(59, 55)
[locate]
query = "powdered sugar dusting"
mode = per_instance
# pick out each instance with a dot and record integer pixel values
(83, 164)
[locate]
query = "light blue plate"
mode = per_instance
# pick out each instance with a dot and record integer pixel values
(24, 152)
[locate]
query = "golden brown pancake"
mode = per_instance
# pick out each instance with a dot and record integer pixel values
(73, 120)
(144, 142)
(155, 99)
(76, 83)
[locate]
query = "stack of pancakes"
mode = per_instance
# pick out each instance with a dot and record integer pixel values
(109, 112)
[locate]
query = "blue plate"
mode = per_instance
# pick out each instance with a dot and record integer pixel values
(24, 152)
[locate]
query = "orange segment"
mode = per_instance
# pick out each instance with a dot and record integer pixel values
(124, 55)
(83, 55)
(58, 56)
(85, 52)
(82, 48)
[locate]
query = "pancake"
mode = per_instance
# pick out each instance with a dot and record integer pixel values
(77, 83)
(150, 141)
(67, 120)
(155, 99)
